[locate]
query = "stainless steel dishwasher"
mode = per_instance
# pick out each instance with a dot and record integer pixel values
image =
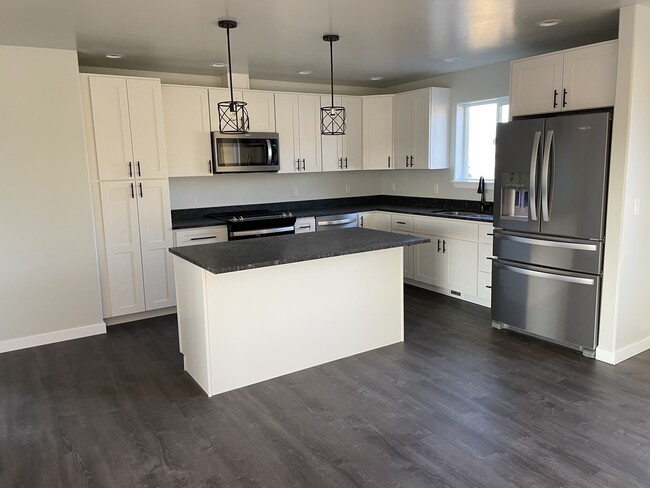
(333, 222)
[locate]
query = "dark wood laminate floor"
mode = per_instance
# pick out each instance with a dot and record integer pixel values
(456, 405)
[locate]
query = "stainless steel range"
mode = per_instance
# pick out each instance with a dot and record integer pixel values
(259, 223)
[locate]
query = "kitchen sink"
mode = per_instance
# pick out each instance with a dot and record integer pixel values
(462, 213)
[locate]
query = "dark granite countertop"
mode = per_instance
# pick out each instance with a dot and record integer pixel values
(430, 207)
(226, 257)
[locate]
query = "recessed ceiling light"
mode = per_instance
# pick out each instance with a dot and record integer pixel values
(305, 72)
(451, 60)
(549, 22)
(115, 56)
(218, 65)
(376, 78)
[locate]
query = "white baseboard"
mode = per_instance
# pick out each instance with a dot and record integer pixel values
(624, 353)
(52, 337)
(446, 292)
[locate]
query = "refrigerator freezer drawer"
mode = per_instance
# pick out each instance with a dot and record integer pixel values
(581, 256)
(560, 306)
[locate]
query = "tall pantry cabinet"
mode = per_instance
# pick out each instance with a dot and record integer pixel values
(128, 170)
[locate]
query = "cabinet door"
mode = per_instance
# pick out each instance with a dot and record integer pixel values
(112, 127)
(408, 257)
(484, 255)
(377, 129)
(590, 76)
(536, 85)
(353, 139)
(403, 130)
(187, 131)
(332, 146)
(460, 266)
(420, 128)
(122, 241)
(147, 128)
(286, 121)
(375, 220)
(428, 262)
(261, 110)
(155, 239)
(439, 120)
(484, 291)
(309, 128)
(216, 95)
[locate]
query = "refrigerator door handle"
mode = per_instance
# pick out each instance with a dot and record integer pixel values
(548, 243)
(533, 175)
(546, 169)
(551, 276)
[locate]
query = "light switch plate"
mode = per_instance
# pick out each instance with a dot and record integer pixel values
(347, 188)
(637, 206)
(294, 192)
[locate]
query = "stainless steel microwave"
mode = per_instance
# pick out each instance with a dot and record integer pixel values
(245, 153)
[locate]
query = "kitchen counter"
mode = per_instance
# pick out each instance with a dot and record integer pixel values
(227, 257)
(429, 207)
(256, 309)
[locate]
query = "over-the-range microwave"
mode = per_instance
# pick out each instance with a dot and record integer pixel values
(245, 153)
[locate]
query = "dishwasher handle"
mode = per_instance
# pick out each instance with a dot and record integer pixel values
(337, 222)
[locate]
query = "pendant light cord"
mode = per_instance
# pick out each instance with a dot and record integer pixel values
(332, 71)
(232, 96)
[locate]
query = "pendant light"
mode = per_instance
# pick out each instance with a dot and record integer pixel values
(332, 118)
(233, 115)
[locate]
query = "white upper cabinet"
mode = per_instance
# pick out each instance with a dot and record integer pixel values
(217, 95)
(297, 119)
(577, 79)
(422, 129)
(377, 129)
(187, 130)
(128, 127)
(261, 110)
(344, 152)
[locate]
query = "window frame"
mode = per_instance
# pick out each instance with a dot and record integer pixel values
(462, 128)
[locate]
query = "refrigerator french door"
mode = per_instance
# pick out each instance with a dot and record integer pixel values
(549, 218)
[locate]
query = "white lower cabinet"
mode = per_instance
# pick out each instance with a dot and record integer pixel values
(137, 235)
(200, 235)
(459, 268)
(408, 257)
(375, 220)
(429, 266)
(485, 286)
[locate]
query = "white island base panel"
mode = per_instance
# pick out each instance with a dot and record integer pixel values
(240, 328)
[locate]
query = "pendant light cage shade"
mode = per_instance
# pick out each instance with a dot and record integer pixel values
(332, 121)
(233, 114)
(233, 117)
(332, 118)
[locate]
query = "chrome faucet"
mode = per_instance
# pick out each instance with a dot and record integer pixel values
(481, 191)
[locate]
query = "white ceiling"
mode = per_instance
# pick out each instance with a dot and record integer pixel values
(401, 40)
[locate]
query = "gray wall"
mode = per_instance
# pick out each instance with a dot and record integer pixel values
(49, 280)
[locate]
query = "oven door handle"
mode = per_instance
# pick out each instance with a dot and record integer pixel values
(255, 232)
(337, 222)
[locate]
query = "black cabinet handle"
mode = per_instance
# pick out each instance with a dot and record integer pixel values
(132, 192)
(488, 286)
(438, 245)
(303, 164)
(140, 187)
(407, 161)
(139, 173)
(411, 161)
(389, 161)
(362, 221)
(444, 247)
(554, 98)
(209, 166)
(564, 94)
(298, 164)
(130, 169)
(346, 163)
(340, 163)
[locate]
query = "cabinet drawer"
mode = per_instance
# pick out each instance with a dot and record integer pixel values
(305, 224)
(456, 229)
(200, 235)
(485, 232)
(484, 285)
(484, 253)
(402, 223)
(429, 226)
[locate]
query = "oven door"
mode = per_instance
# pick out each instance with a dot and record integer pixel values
(252, 152)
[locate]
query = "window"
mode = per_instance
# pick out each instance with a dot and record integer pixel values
(477, 128)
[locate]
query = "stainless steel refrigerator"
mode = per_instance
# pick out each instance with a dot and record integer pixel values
(549, 218)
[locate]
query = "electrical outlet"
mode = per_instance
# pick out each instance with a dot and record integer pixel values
(392, 186)
(347, 189)
(294, 192)
(435, 189)
(637, 206)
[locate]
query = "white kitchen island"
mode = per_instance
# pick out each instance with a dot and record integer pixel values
(256, 309)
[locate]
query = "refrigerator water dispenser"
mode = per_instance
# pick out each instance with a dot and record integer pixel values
(514, 196)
